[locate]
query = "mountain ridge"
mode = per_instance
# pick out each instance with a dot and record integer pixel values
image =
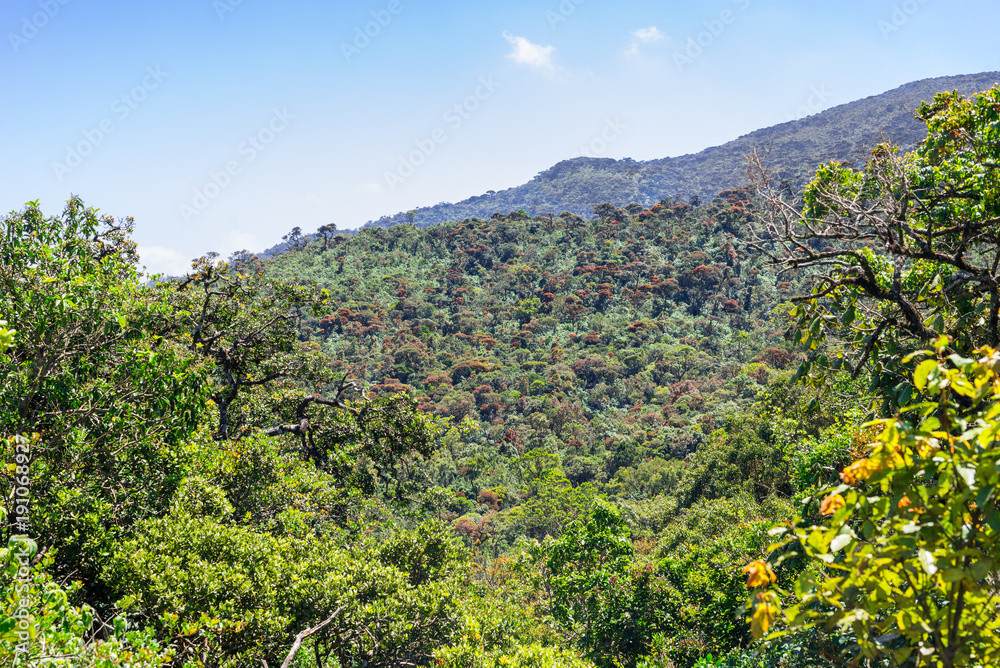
(844, 132)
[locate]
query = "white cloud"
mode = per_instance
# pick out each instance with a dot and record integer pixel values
(650, 34)
(160, 260)
(526, 53)
(644, 36)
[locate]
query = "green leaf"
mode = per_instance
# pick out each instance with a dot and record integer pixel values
(22, 545)
(982, 567)
(959, 361)
(921, 373)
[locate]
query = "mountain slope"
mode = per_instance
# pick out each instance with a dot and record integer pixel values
(605, 317)
(843, 133)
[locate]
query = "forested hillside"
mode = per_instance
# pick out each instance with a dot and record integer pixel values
(759, 431)
(656, 322)
(845, 133)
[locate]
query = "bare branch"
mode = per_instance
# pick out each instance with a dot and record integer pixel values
(305, 634)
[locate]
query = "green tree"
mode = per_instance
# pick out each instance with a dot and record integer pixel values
(582, 569)
(55, 629)
(909, 557)
(903, 250)
(247, 326)
(295, 238)
(550, 500)
(86, 359)
(226, 595)
(328, 232)
(89, 369)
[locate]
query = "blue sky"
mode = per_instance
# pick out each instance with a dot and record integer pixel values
(222, 124)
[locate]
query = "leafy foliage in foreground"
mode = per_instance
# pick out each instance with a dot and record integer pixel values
(907, 561)
(908, 558)
(935, 211)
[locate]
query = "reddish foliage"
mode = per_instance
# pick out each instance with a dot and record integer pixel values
(513, 438)
(392, 386)
(489, 497)
(437, 379)
(778, 358)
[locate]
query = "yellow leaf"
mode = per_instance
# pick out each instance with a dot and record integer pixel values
(764, 614)
(832, 504)
(759, 574)
(859, 470)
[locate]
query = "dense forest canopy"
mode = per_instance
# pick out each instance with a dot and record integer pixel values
(522, 440)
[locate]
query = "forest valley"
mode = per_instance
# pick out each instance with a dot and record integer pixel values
(754, 431)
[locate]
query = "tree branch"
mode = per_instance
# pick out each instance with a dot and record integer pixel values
(305, 634)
